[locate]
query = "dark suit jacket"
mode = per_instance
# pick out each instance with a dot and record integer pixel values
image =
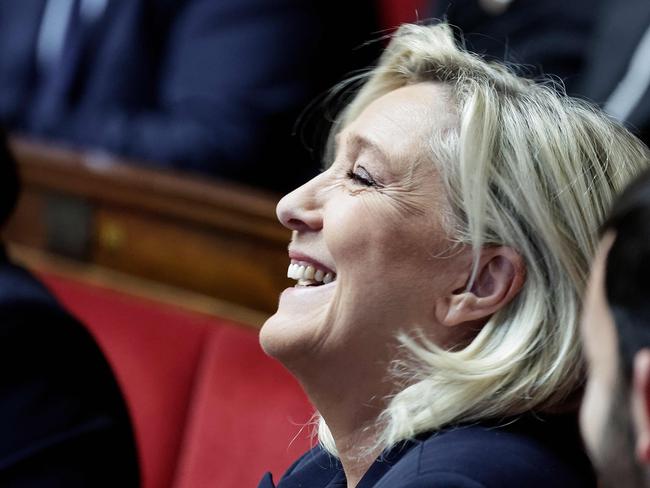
(206, 85)
(621, 26)
(63, 421)
(548, 37)
(528, 452)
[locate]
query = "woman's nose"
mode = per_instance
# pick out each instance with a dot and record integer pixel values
(300, 210)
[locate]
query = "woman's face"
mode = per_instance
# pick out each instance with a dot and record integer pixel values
(373, 223)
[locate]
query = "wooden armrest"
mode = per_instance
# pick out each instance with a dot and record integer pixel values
(213, 237)
(101, 177)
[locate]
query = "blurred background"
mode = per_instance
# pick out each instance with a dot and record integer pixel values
(153, 140)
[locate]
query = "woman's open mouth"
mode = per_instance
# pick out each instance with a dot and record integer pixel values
(308, 274)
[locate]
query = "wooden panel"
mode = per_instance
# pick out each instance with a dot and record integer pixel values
(216, 238)
(202, 200)
(228, 265)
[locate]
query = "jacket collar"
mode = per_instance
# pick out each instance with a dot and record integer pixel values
(322, 470)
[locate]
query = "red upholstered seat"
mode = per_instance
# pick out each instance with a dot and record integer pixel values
(396, 12)
(209, 408)
(243, 405)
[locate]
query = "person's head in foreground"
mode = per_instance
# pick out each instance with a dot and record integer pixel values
(615, 414)
(440, 259)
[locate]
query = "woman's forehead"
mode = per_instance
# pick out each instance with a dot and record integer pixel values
(398, 125)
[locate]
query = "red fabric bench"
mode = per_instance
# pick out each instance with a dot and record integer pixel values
(396, 12)
(210, 409)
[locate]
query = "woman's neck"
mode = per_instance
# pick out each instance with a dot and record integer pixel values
(357, 454)
(351, 415)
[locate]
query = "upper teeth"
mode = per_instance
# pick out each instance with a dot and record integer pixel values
(307, 274)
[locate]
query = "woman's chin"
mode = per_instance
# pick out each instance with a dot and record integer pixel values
(276, 336)
(294, 328)
(285, 339)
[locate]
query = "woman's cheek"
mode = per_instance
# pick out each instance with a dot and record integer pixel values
(357, 224)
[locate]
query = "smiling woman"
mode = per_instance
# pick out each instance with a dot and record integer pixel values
(439, 262)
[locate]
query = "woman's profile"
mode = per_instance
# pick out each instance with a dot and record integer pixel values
(439, 262)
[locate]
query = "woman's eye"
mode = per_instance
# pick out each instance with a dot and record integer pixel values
(361, 176)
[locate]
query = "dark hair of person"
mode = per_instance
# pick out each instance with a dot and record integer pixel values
(627, 271)
(9, 182)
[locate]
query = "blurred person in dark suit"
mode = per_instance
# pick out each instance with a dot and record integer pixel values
(615, 415)
(617, 75)
(63, 421)
(213, 86)
(549, 37)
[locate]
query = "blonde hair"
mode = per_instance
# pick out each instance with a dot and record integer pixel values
(528, 168)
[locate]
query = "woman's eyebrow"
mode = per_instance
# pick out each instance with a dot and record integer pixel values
(356, 143)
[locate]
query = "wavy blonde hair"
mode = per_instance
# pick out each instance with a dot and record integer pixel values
(527, 167)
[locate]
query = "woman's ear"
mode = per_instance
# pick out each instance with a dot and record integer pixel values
(500, 275)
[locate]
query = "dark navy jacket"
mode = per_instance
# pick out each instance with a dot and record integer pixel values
(528, 452)
(213, 86)
(63, 421)
(619, 47)
(550, 37)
